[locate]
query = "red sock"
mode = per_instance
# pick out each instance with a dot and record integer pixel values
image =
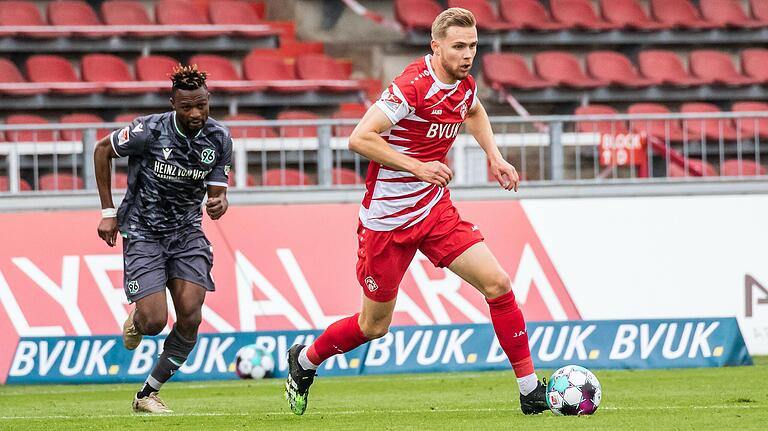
(509, 325)
(341, 337)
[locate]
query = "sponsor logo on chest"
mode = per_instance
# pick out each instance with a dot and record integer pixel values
(168, 171)
(443, 130)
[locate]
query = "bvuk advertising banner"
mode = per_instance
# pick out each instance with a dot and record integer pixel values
(291, 267)
(411, 349)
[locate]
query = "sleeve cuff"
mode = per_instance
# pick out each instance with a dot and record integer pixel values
(216, 183)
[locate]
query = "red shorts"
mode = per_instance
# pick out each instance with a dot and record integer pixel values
(384, 256)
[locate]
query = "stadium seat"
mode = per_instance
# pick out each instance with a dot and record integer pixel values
(709, 128)
(286, 177)
(717, 66)
(111, 72)
(155, 68)
(77, 135)
(605, 126)
(509, 70)
(759, 10)
(249, 131)
(297, 131)
(127, 117)
(741, 168)
(352, 112)
(77, 12)
(666, 130)
(250, 180)
(234, 12)
(528, 15)
(322, 67)
(277, 70)
(345, 176)
(751, 127)
(667, 68)
(563, 68)
(52, 69)
(10, 74)
(486, 17)
(119, 181)
(25, 13)
(677, 171)
(184, 12)
(5, 184)
(417, 14)
(28, 135)
(679, 13)
(222, 74)
(616, 69)
(629, 15)
(579, 14)
(753, 63)
(60, 182)
(130, 12)
(727, 13)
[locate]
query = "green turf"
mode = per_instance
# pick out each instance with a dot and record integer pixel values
(693, 399)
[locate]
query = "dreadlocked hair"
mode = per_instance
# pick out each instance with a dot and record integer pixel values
(188, 77)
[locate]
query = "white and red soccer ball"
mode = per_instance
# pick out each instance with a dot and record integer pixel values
(253, 362)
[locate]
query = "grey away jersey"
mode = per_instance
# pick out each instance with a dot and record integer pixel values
(168, 172)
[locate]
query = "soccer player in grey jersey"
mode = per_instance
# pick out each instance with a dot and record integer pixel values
(174, 159)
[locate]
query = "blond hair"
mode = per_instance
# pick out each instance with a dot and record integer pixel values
(452, 17)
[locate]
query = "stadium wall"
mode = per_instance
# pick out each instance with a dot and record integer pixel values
(291, 267)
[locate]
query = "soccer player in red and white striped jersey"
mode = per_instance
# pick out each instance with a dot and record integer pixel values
(407, 207)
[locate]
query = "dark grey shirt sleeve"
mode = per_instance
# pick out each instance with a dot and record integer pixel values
(219, 175)
(131, 140)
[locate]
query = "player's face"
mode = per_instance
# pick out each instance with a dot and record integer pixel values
(191, 108)
(457, 50)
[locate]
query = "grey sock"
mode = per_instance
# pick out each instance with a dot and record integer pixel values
(175, 352)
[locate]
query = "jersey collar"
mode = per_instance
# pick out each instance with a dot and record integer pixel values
(440, 84)
(180, 133)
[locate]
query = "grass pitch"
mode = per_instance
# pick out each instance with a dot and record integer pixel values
(688, 399)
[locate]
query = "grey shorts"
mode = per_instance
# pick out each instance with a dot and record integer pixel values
(150, 262)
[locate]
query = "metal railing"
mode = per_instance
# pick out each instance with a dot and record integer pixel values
(313, 153)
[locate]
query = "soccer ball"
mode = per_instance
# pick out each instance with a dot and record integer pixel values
(573, 390)
(253, 362)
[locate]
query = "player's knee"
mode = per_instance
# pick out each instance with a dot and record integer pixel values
(152, 326)
(189, 322)
(497, 286)
(375, 330)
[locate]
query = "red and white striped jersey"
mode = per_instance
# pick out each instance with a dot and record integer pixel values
(426, 115)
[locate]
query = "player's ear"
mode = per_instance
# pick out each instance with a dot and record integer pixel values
(435, 47)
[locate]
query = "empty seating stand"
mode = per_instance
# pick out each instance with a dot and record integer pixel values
(78, 13)
(502, 70)
(727, 13)
(222, 74)
(564, 69)
(485, 15)
(417, 14)
(528, 15)
(667, 68)
(717, 66)
(579, 14)
(54, 70)
(666, 130)
(628, 14)
(614, 68)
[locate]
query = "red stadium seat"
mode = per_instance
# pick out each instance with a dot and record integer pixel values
(222, 74)
(249, 131)
(564, 69)
(710, 128)
(297, 131)
(5, 184)
(628, 14)
(320, 66)
(679, 13)
(528, 15)
(741, 168)
(111, 72)
(666, 130)
(250, 180)
(717, 66)
(579, 14)
(604, 126)
(751, 127)
(130, 12)
(676, 171)
(667, 67)
(76, 12)
(60, 182)
(759, 10)
(234, 12)
(613, 67)
(509, 70)
(184, 12)
(275, 69)
(486, 17)
(126, 118)
(77, 135)
(753, 63)
(155, 68)
(51, 69)
(727, 13)
(25, 13)
(345, 176)
(351, 112)
(119, 181)
(417, 14)
(286, 177)
(28, 135)
(10, 74)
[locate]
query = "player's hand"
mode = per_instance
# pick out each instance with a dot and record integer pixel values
(505, 174)
(108, 230)
(434, 172)
(216, 207)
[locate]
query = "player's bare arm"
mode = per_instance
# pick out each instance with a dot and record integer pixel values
(366, 141)
(480, 127)
(217, 203)
(102, 158)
